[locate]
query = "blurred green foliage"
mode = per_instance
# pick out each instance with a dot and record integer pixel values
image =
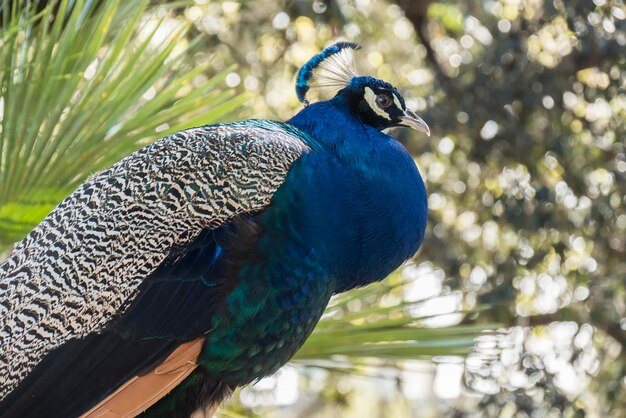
(79, 93)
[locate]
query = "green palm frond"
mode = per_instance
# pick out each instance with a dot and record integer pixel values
(82, 84)
(372, 334)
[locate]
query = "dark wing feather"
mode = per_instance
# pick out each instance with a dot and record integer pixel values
(85, 264)
(176, 303)
(179, 298)
(80, 373)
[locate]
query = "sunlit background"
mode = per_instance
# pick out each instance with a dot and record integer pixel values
(525, 169)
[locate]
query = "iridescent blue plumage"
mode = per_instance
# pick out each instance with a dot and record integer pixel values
(350, 208)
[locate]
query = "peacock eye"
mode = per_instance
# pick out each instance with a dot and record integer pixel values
(383, 100)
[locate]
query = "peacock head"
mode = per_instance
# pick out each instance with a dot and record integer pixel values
(375, 102)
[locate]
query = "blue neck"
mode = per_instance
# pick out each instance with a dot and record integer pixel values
(373, 206)
(335, 128)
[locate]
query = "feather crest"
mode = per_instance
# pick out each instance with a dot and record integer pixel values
(329, 71)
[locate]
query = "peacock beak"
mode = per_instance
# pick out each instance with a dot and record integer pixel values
(411, 120)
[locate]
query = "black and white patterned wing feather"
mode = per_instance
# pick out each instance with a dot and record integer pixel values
(84, 263)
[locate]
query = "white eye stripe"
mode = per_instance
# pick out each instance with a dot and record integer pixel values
(397, 101)
(370, 98)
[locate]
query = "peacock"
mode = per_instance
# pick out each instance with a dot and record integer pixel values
(202, 262)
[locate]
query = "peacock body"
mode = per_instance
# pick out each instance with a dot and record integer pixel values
(232, 237)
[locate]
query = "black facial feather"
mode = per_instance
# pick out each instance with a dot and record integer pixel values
(376, 102)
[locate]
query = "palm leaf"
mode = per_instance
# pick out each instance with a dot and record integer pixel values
(387, 334)
(82, 84)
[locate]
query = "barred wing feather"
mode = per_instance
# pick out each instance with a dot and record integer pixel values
(83, 264)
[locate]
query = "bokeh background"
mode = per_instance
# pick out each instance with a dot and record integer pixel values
(525, 169)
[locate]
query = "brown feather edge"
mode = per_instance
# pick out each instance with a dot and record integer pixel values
(141, 392)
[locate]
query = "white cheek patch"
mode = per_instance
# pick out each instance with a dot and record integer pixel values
(370, 97)
(397, 101)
